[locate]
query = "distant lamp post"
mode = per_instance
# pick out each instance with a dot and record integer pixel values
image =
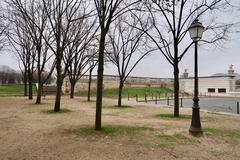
(196, 31)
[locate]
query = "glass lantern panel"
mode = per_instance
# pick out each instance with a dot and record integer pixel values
(193, 33)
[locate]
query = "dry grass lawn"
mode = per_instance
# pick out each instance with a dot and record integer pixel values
(140, 132)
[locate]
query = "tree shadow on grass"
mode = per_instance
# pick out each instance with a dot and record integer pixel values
(117, 107)
(171, 116)
(51, 111)
(109, 130)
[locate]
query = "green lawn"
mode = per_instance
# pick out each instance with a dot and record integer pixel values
(13, 89)
(18, 89)
(132, 91)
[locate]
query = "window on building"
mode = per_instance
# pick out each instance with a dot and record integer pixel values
(221, 90)
(237, 84)
(211, 90)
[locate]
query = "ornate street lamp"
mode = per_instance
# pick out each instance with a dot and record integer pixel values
(196, 31)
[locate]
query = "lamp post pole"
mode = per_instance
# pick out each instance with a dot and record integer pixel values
(196, 128)
(196, 30)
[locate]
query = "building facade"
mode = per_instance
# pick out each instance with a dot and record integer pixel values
(222, 84)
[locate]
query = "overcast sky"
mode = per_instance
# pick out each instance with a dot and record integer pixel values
(211, 60)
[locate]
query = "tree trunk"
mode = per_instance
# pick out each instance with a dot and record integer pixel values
(72, 89)
(89, 84)
(176, 79)
(25, 83)
(98, 119)
(120, 93)
(59, 84)
(39, 94)
(58, 95)
(30, 90)
(39, 78)
(176, 90)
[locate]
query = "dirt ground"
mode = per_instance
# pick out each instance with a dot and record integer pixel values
(28, 133)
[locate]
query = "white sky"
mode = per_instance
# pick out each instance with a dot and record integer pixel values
(211, 60)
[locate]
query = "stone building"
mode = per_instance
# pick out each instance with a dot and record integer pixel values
(112, 81)
(221, 84)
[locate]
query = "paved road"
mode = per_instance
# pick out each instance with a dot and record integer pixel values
(216, 104)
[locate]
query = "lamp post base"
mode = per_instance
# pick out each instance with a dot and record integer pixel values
(196, 131)
(196, 128)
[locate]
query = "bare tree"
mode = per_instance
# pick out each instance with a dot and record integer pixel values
(20, 40)
(167, 27)
(3, 29)
(92, 64)
(31, 56)
(77, 51)
(61, 16)
(9, 75)
(107, 11)
(77, 69)
(126, 50)
(35, 18)
(19, 51)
